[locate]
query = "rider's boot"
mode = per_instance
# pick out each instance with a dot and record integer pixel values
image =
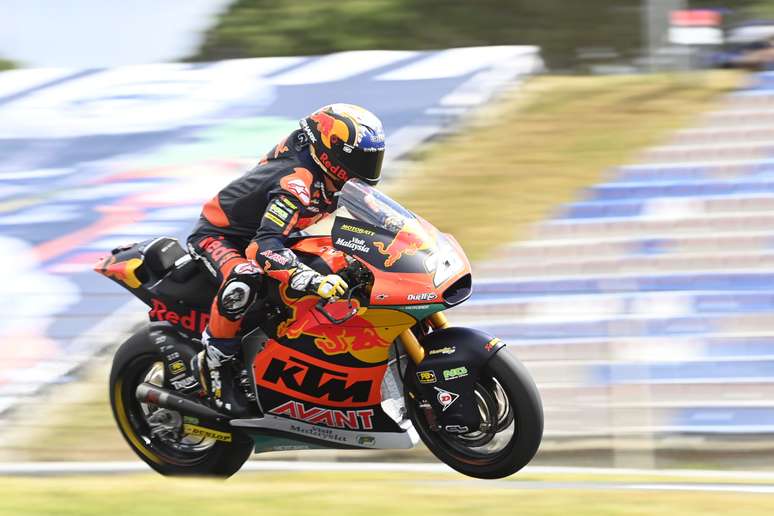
(218, 368)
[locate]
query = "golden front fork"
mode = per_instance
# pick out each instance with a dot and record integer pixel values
(411, 344)
(438, 321)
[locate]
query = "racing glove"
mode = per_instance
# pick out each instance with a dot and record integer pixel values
(328, 286)
(305, 279)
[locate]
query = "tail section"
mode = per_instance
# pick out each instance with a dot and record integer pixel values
(166, 278)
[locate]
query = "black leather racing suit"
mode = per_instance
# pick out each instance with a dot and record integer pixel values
(243, 229)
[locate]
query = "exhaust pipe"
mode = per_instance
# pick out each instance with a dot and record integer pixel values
(149, 393)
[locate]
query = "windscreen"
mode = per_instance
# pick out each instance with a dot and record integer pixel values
(371, 225)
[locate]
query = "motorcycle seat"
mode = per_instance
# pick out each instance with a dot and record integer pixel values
(161, 255)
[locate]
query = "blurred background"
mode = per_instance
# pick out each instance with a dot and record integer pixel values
(608, 165)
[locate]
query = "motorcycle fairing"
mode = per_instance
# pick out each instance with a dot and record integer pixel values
(381, 248)
(284, 412)
(415, 266)
(333, 438)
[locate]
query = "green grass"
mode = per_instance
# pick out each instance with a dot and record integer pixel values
(348, 494)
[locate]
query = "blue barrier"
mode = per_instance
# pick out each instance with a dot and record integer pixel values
(739, 347)
(717, 420)
(608, 327)
(649, 190)
(741, 281)
(716, 303)
(678, 372)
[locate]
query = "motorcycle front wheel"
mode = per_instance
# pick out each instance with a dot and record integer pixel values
(512, 423)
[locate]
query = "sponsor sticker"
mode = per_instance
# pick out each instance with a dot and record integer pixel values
(200, 431)
(489, 346)
(425, 296)
(448, 350)
(185, 383)
(274, 219)
(177, 367)
(446, 398)
(299, 188)
(304, 377)
(426, 377)
(457, 372)
(279, 258)
(246, 268)
(355, 229)
(354, 243)
(366, 440)
(415, 307)
(344, 419)
(279, 211)
(192, 321)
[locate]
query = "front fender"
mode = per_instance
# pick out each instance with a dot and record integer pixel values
(447, 375)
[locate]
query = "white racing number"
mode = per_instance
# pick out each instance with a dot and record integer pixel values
(445, 263)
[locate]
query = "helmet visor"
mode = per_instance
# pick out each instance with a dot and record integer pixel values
(366, 165)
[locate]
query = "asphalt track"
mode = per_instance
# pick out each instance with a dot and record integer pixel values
(697, 477)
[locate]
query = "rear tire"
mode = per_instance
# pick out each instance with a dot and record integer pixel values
(135, 360)
(518, 408)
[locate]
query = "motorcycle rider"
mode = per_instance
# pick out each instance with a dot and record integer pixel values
(242, 231)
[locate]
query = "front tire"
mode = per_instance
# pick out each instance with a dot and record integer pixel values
(168, 452)
(510, 401)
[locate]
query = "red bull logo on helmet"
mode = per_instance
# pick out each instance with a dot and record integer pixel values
(331, 127)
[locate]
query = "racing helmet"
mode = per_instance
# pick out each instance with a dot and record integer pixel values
(346, 141)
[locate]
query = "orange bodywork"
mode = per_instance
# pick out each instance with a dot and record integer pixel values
(322, 247)
(294, 371)
(123, 272)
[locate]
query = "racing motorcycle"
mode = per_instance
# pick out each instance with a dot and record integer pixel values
(379, 368)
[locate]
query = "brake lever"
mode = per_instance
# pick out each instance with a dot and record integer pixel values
(322, 303)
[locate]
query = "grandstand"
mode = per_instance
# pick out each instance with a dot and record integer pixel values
(645, 308)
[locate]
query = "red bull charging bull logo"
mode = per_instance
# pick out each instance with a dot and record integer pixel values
(407, 242)
(330, 126)
(366, 338)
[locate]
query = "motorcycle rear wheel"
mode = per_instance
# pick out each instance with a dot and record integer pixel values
(510, 406)
(138, 360)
